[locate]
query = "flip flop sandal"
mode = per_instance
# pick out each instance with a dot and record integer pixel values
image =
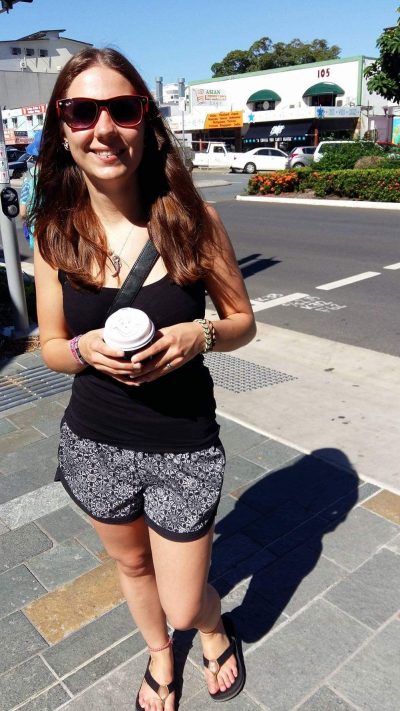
(214, 665)
(162, 690)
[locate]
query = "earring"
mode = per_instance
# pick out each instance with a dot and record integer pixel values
(66, 145)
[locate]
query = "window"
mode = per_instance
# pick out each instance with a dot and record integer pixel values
(264, 105)
(263, 152)
(29, 51)
(15, 50)
(14, 121)
(43, 52)
(39, 119)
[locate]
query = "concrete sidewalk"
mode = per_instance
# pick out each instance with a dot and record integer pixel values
(306, 551)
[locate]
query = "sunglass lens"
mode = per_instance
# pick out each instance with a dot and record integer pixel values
(83, 113)
(126, 110)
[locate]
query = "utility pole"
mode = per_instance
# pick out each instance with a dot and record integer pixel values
(7, 5)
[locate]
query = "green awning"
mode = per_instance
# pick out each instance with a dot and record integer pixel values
(324, 87)
(264, 95)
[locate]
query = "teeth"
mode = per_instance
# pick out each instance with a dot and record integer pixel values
(106, 154)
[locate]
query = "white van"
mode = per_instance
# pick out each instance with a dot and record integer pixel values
(321, 148)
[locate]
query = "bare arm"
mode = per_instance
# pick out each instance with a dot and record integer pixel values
(55, 336)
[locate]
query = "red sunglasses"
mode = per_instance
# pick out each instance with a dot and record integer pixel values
(82, 114)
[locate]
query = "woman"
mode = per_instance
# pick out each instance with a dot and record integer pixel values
(139, 449)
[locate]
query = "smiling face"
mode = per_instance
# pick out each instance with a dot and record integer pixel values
(107, 154)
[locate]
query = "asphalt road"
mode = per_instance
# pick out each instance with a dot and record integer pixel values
(293, 249)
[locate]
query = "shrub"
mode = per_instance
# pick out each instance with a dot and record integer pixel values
(284, 181)
(369, 162)
(340, 156)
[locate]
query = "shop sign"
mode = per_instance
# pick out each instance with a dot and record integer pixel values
(225, 119)
(31, 110)
(208, 96)
(322, 112)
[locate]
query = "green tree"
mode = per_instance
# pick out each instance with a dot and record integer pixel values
(263, 54)
(383, 75)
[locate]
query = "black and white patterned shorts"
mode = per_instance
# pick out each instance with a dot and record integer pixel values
(178, 493)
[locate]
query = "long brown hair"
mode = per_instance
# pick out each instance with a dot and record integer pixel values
(69, 234)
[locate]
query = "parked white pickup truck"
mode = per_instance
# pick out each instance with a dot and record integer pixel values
(215, 155)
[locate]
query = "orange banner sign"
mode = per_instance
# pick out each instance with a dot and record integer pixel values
(225, 119)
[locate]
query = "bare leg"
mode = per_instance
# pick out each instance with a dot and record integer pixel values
(129, 545)
(189, 602)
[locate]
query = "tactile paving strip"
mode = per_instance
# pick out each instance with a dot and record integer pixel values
(31, 384)
(240, 376)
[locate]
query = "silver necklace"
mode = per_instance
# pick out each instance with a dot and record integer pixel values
(115, 258)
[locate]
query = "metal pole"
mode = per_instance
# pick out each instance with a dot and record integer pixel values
(12, 260)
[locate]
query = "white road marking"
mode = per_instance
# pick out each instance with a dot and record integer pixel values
(261, 305)
(393, 266)
(349, 280)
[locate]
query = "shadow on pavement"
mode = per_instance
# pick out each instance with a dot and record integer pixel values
(272, 539)
(258, 264)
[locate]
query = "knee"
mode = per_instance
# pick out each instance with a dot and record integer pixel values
(185, 618)
(135, 565)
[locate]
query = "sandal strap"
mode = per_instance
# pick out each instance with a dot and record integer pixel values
(222, 657)
(156, 687)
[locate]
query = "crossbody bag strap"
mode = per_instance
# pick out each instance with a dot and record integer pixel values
(135, 279)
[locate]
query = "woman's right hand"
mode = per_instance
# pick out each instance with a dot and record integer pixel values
(104, 358)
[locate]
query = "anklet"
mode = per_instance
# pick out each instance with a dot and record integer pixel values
(160, 649)
(212, 631)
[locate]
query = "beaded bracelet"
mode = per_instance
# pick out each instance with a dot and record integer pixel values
(77, 355)
(209, 333)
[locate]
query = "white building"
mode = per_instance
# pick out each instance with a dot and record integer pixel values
(29, 67)
(292, 105)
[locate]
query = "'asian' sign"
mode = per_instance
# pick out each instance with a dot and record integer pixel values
(396, 130)
(208, 96)
(225, 119)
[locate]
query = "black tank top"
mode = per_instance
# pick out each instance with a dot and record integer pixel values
(175, 413)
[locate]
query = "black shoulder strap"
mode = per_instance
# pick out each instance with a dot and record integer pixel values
(134, 281)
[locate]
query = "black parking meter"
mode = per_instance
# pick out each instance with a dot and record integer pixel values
(9, 202)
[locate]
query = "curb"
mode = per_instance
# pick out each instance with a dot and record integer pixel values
(322, 203)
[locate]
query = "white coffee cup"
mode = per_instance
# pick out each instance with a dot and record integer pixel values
(129, 330)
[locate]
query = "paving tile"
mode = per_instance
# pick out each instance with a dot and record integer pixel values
(371, 680)
(20, 545)
(365, 490)
(271, 454)
(294, 580)
(340, 508)
(312, 529)
(203, 702)
(94, 638)
(43, 453)
(385, 504)
(63, 524)
(9, 367)
(298, 656)
(33, 505)
(18, 587)
(63, 563)
(20, 639)
(228, 552)
(76, 604)
(239, 470)
(20, 438)
(394, 544)
(232, 516)
(6, 426)
(63, 398)
(21, 482)
(325, 700)
(46, 417)
(249, 566)
(90, 540)
(357, 538)
(3, 529)
(24, 681)
(238, 439)
(226, 424)
(277, 523)
(48, 701)
(99, 667)
(371, 593)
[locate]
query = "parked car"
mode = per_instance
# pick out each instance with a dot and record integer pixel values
(17, 165)
(323, 146)
(301, 156)
(259, 159)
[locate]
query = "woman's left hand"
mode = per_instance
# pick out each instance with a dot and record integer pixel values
(173, 346)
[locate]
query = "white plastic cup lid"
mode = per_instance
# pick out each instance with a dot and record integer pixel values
(128, 329)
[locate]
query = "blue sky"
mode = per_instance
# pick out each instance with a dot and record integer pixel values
(183, 38)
